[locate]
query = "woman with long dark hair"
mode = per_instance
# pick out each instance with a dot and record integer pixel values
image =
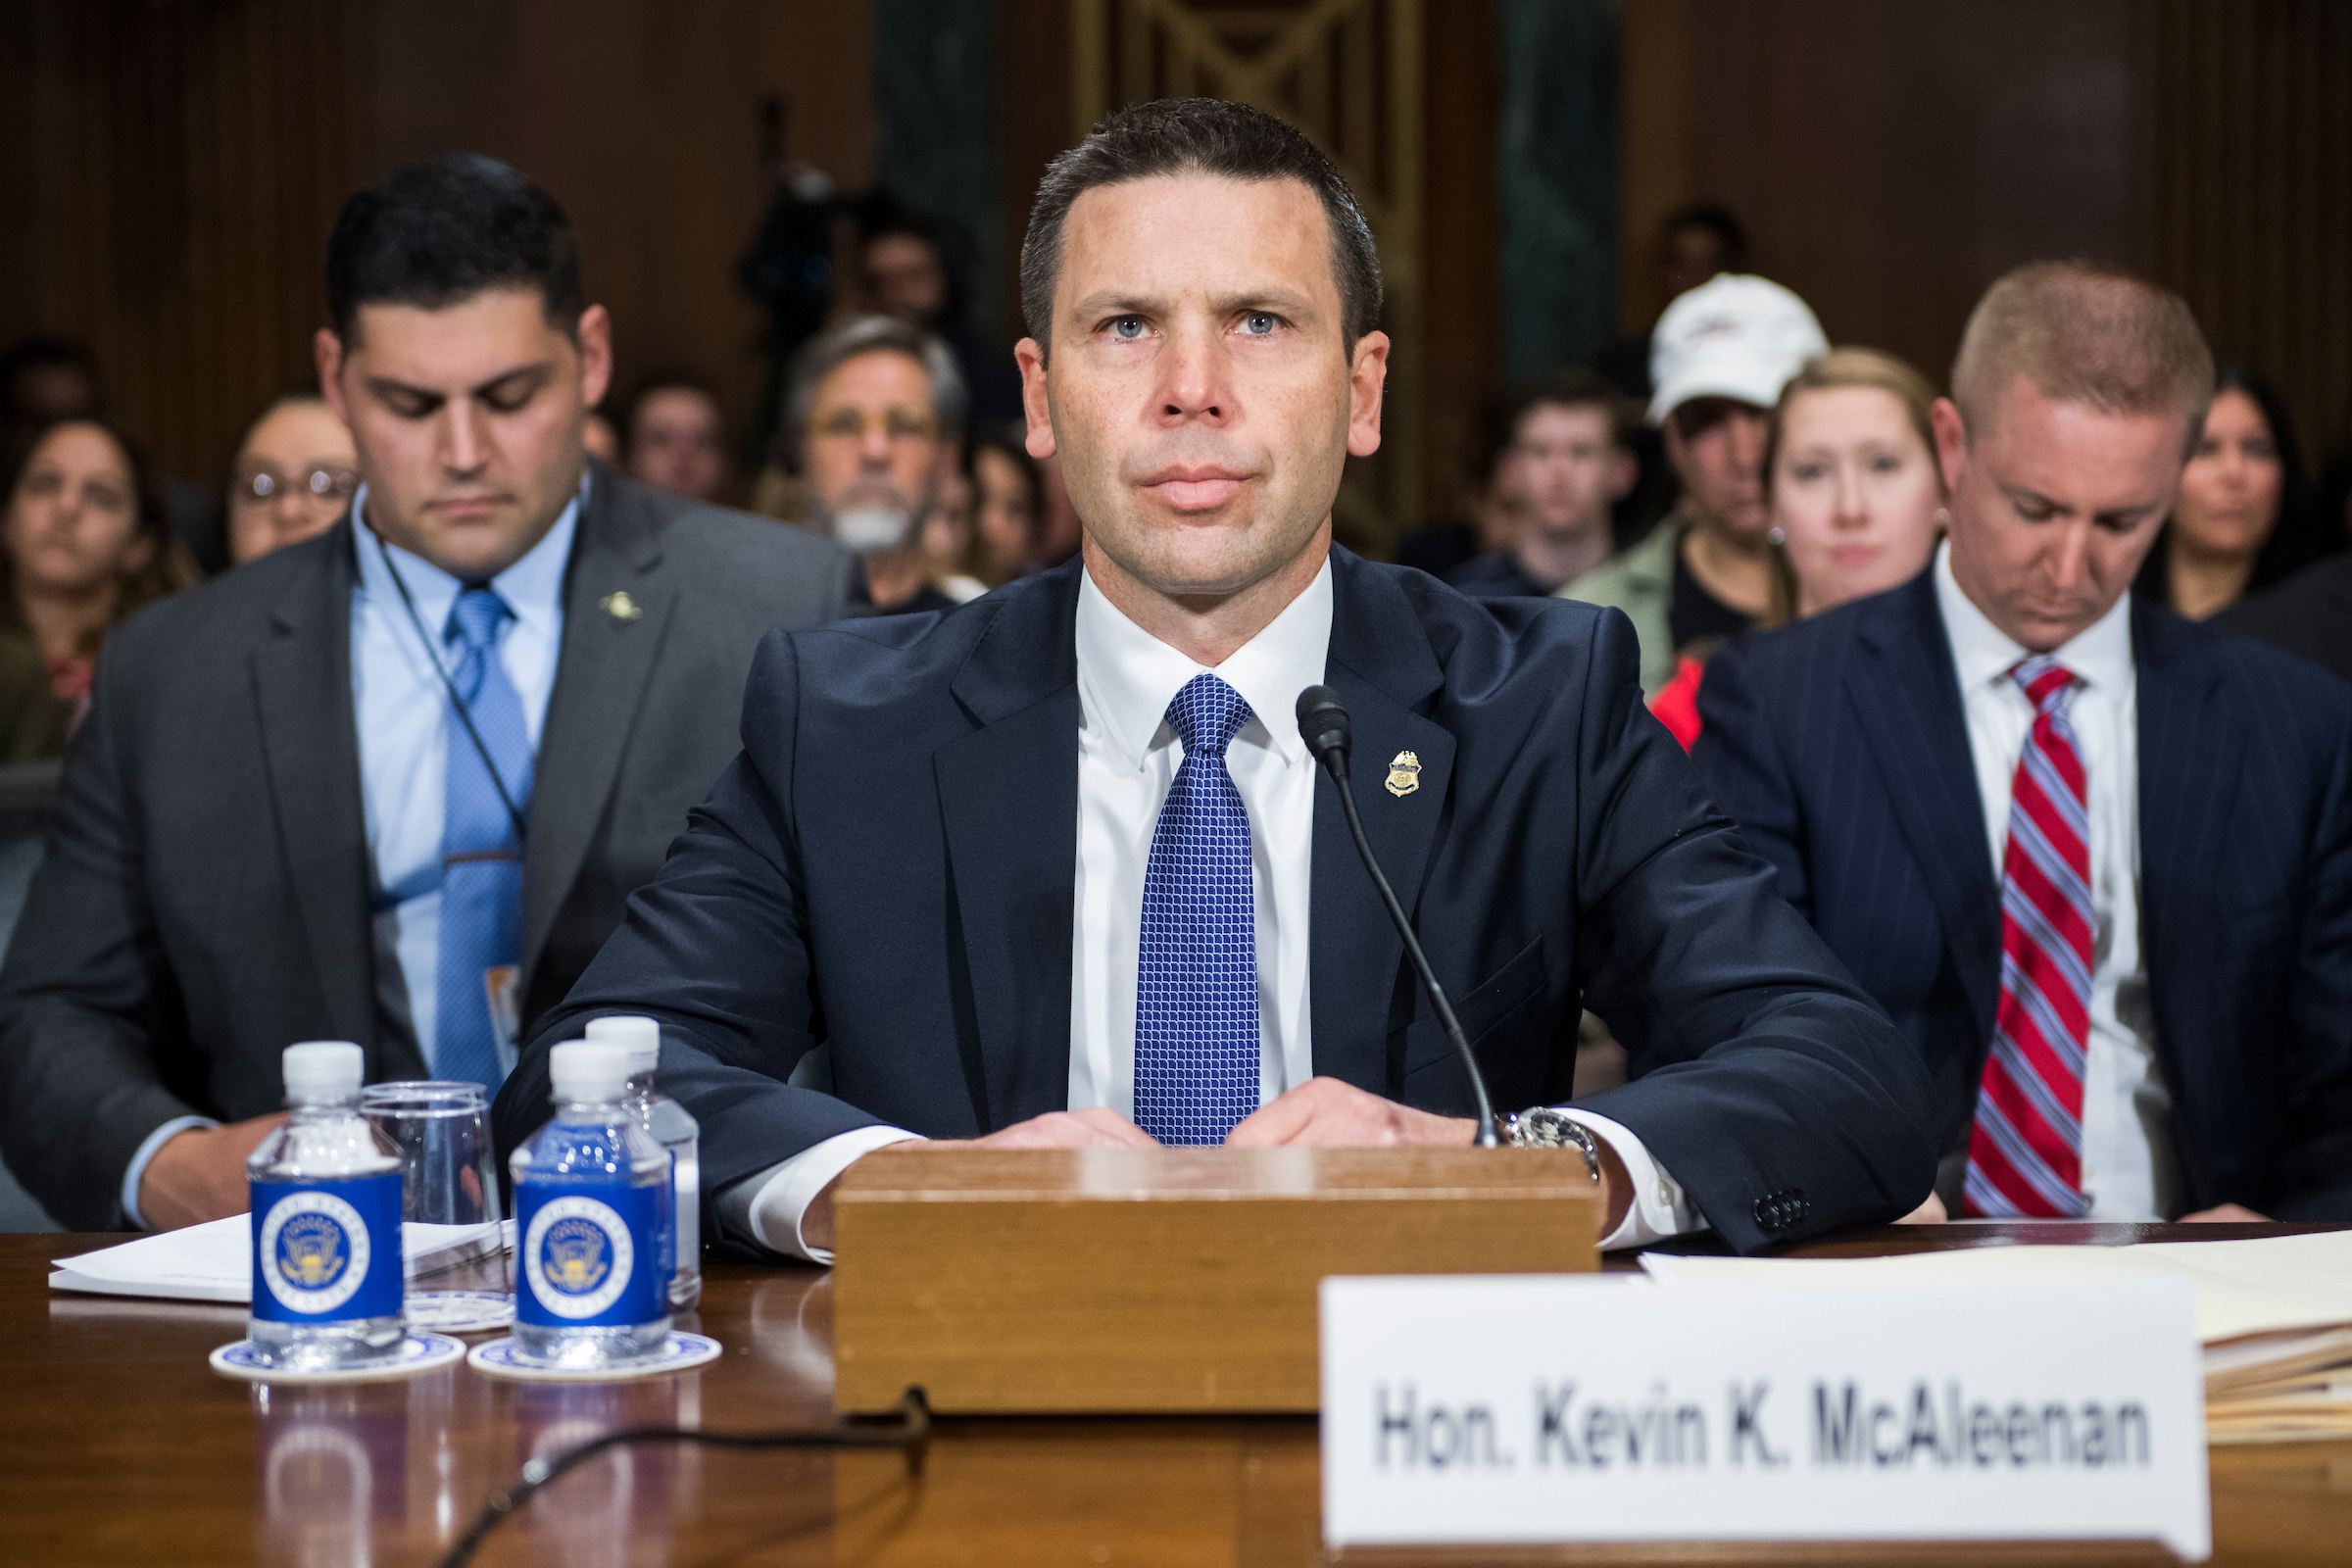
(84, 542)
(2245, 519)
(1007, 507)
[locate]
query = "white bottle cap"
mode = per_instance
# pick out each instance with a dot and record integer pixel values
(640, 1036)
(588, 1070)
(325, 1069)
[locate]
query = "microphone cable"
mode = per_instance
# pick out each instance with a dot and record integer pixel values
(909, 1430)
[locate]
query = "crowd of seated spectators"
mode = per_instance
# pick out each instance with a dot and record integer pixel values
(1796, 479)
(1801, 477)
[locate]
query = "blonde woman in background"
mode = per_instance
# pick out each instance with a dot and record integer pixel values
(1855, 496)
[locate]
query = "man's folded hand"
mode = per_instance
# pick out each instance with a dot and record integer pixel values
(199, 1174)
(1332, 1114)
(1093, 1128)
(1339, 1115)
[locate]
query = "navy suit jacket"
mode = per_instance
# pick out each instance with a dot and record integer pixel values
(889, 867)
(1841, 745)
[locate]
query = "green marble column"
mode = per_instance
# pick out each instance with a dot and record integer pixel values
(1558, 176)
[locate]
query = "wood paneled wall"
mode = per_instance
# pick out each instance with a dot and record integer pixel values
(175, 168)
(1892, 159)
(2252, 194)
(171, 168)
(178, 164)
(1461, 313)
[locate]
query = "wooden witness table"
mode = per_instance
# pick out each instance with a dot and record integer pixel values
(120, 1445)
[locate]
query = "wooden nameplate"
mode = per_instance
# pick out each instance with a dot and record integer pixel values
(1158, 1280)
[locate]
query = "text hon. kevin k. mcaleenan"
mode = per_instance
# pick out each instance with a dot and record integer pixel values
(1051, 870)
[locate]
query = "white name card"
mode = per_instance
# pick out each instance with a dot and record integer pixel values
(1546, 1409)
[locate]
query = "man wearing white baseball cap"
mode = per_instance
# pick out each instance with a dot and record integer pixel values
(1719, 358)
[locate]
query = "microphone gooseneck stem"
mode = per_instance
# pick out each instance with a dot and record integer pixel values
(1334, 763)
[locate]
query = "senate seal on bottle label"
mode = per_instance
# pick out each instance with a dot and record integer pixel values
(314, 1251)
(579, 1256)
(327, 1252)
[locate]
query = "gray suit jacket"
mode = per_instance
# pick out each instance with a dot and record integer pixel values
(205, 899)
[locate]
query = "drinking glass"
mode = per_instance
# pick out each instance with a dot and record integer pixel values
(449, 1177)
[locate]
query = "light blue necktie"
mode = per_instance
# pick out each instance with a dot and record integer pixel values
(482, 854)
(1195, 991)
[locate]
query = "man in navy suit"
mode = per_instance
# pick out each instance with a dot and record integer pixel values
(1051, 869)
(2095, 860)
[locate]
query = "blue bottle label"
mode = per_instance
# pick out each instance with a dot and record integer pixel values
(591, 1256)
(327, 1252)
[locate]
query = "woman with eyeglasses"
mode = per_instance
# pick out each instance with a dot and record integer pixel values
(83, 543)
(293, 477)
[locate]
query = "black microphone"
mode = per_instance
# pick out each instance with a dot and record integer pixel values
(1324, 725)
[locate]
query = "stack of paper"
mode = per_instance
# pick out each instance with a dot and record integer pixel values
(2274, 1313)
(2277, 1388)
(213, 1262)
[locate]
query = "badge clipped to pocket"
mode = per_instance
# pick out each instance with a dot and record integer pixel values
(503, 984)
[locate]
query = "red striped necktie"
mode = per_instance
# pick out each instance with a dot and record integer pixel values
(2025, 1152)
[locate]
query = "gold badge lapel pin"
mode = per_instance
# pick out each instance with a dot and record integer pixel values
(1405, 774)
(622, 608)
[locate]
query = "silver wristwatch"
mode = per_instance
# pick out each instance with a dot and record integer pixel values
(1546, 1128)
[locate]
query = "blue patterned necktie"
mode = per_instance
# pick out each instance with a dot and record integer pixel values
(481, 854)
(1195, 991)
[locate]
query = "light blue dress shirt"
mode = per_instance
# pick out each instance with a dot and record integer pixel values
(405, 730)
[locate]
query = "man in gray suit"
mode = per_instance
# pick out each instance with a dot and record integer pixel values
(395, 783)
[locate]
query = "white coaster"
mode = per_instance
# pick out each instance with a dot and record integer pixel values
(419, 1353)
(458, 1311)
(502, 1358)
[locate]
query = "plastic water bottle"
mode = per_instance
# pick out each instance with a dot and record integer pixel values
(328, 1281)
(676, 1131)
(592, 1208)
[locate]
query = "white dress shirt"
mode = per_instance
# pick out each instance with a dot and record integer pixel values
(404, 724)
(1127, 761)
(2127, 1168)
